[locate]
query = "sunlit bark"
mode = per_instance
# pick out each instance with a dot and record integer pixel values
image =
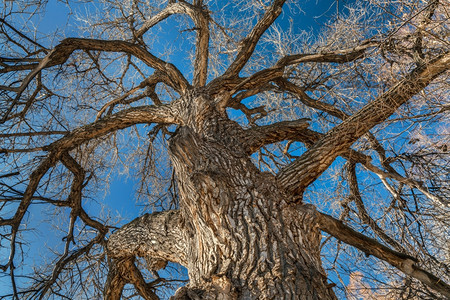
(239, 223)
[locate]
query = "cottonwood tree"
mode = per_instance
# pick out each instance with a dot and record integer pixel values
(270, 156)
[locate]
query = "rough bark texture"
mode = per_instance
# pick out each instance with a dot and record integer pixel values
(237, 233)
(243, 240)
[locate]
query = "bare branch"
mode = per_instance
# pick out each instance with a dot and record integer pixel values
(37, 133)
(66, 259)
(171, 9)
(259, 79)
(275, 73)
(201, 21)
(248, 44)
(260, 136)
(237, 229)
(134, 276)
(362, 212)
(302, 172)
(150, 81)
(410, 182)
(67, 46)
(405, 263)
(123, 119)
(32, 41)
(123, 271)
(137, 115)
(308, 101)
(7, 69)
(156, 237)
(251, 91)
(62, 52)
(361, 158)
(338, 56)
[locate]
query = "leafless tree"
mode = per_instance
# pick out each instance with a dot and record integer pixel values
(274, 160)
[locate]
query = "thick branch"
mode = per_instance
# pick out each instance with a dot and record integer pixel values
(404, 263)
(15, 222)
(148, 82)
(123, 119)
(74, 199)
(256, 82)
(260, 136)
(257, 137)
(303, 171)
(157, 236)
(258, 79)
(123, 271)
(137, 115)
(252, 91)
(338, 56)
(171, 9)
(62, 52)
(143, 114)
(115, 282)
(308, 101)
(275, 73)
(308, 137)
(36, 133)
(249, 43)
(200, 19)
(67, 46)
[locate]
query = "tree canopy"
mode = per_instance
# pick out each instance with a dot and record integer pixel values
(223, 112)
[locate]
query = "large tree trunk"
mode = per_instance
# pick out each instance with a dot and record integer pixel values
(243, 238)
(238, 234)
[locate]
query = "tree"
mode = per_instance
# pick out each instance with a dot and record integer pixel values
(267, 138)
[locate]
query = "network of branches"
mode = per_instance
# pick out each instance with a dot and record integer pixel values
(81, 107)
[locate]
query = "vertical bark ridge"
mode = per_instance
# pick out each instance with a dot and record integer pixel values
(240, 231)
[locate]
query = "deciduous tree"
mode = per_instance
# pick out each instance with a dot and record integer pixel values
(270, 156)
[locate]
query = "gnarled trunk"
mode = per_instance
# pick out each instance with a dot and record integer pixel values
(244, 240)
(238, 234)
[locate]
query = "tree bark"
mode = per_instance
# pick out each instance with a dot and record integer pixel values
(240, 232)
(243, 239)
(236, 232)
